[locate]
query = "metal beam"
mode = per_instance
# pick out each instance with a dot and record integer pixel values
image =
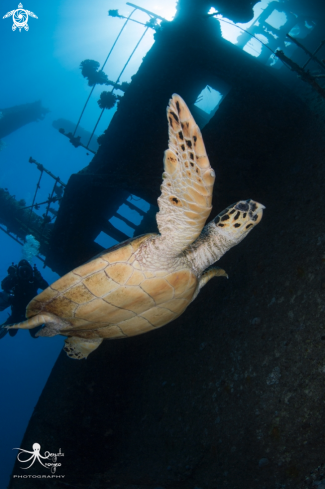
(42, 168)
(124, 219)
(114, 233)
(312, 55)
(304, 75)
(146, 11)
(135, 208)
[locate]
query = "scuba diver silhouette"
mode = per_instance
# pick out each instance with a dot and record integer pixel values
(19, 288)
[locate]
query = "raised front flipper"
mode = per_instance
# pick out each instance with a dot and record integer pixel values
(186, 191)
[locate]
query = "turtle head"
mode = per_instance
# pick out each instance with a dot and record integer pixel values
(226, 230)
(239, 219)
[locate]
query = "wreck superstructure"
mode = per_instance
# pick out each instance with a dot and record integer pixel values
(189, 54)
(12, 118)
(231, 393)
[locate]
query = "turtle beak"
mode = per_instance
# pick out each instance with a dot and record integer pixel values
(256, 211)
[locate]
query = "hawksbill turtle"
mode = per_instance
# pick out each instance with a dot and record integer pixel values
(148, 281)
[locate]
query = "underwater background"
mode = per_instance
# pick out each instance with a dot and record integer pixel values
(43, 64)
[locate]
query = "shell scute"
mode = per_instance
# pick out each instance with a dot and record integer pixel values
(79, 294)
(84, 326)
(134, 326)
(102, 312)
(189, 294)
(45, 296)
(62, 307)
(33, 308)
(65, 282)
(149, 274)
(136, 278)
(159, 289)
(120, 315)
(131, 298)
(177, 305)
(121, 254)
(99, 284)
(179, 281)
(110, 332)
(119, 272)
(92, 326)
(94, 309)
(83, 334)
(90, 267)
(158, 316)
(192, 281)
(78, 323)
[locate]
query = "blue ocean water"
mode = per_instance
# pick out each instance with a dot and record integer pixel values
(43, 64)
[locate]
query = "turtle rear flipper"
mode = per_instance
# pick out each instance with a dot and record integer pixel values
(208, 275)
(53, 324)
(79, 348)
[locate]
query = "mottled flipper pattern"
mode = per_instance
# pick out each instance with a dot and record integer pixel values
(79, 348)
(186, 191)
